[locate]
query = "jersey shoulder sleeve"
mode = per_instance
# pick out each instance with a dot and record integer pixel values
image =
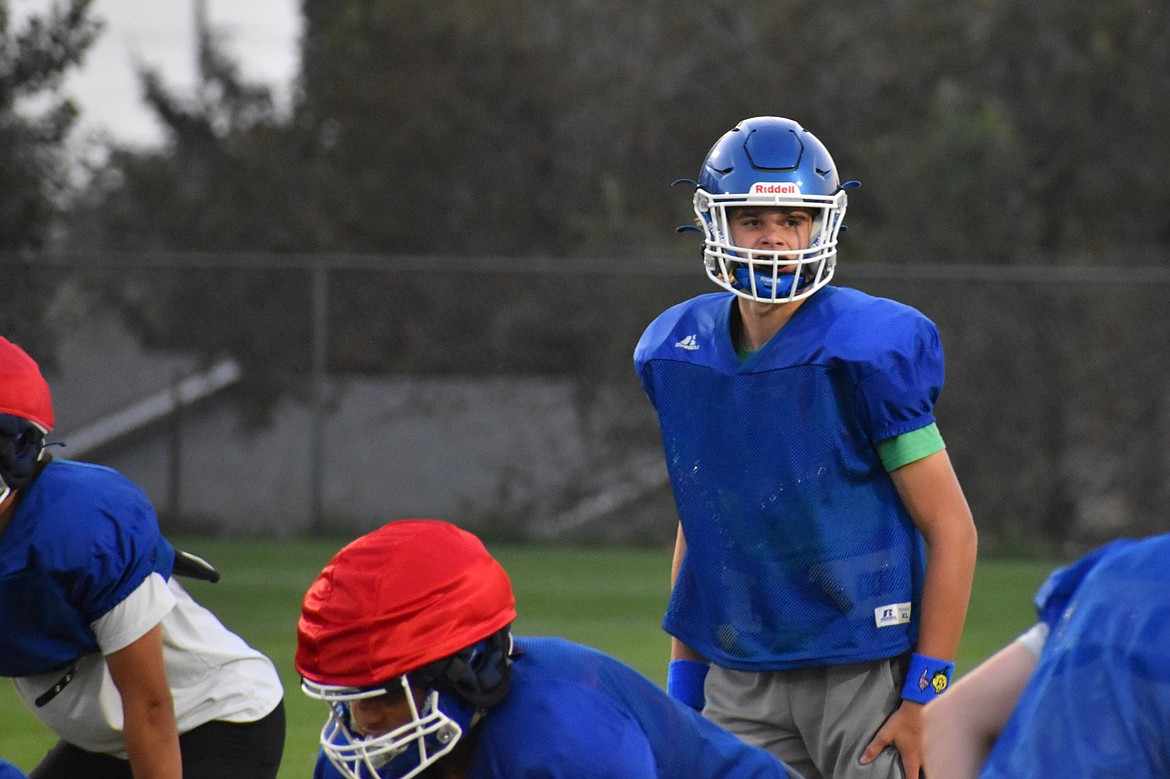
(698, 317)
(695, 331)
(130, 619)
(894, 355)
(95, 529)
(558, 690)
(599, 718)
(583, 735)
(1062, 584)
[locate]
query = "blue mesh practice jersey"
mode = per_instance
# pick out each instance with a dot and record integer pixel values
(799, 551)
(82, 538)
(575, 713)
(1098, 702)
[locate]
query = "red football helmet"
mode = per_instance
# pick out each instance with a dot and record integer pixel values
(24, 392)
(26, 417)
(416, 608)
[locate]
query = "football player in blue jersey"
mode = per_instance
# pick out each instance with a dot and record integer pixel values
(825, 549)
(103, 645)
(406, 634)
(1085, 692)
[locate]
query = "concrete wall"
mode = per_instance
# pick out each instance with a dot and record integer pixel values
(514, 457)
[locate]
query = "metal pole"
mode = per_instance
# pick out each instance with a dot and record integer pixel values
(174, 496)
(317, 423)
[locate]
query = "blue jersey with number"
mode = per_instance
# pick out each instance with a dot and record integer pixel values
(799, 550)
(575, 713)
(1098, 701)
(82, 538)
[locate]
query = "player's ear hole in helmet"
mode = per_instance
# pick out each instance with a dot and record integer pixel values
(22, 452)
(477, 674)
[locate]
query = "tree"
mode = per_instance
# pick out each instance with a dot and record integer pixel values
(34, 58)
(219, 168)
(432, 135)
(226, 178)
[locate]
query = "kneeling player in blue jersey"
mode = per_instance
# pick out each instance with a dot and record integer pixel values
(102, 643)
(406, 633)
(1085, 692)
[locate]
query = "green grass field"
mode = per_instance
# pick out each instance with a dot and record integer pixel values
(608, 598)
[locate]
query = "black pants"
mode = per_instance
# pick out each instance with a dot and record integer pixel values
(215, 750)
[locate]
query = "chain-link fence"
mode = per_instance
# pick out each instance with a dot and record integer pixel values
(278, 394)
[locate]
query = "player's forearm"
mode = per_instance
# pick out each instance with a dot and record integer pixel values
(680, 550)
(947, 589)
(152, 741)
(931, 493)
(148, 709)
(960, 758)
(960, 728)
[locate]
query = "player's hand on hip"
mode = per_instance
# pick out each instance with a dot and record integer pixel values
(903, 731)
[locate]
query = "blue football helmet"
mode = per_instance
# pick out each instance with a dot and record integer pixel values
(770, 161)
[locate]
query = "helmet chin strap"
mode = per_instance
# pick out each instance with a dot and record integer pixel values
(765, 284)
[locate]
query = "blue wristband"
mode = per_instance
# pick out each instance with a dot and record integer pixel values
(927, 678)
(684, 682)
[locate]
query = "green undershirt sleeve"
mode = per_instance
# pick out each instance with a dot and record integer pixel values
(908, 447)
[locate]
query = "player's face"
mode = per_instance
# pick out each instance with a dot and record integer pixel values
(376, 716)
(770, 228)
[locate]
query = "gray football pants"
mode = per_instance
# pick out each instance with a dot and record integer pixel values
(817, 720)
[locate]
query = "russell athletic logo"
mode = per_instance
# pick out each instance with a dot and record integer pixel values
(892, 614)
(775, 188)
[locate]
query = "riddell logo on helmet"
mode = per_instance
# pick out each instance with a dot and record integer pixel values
(775, 188)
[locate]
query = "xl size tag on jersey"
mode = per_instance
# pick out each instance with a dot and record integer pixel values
(893, 614)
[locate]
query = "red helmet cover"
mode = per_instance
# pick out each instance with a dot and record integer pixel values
(24, 392)
(407, 594)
